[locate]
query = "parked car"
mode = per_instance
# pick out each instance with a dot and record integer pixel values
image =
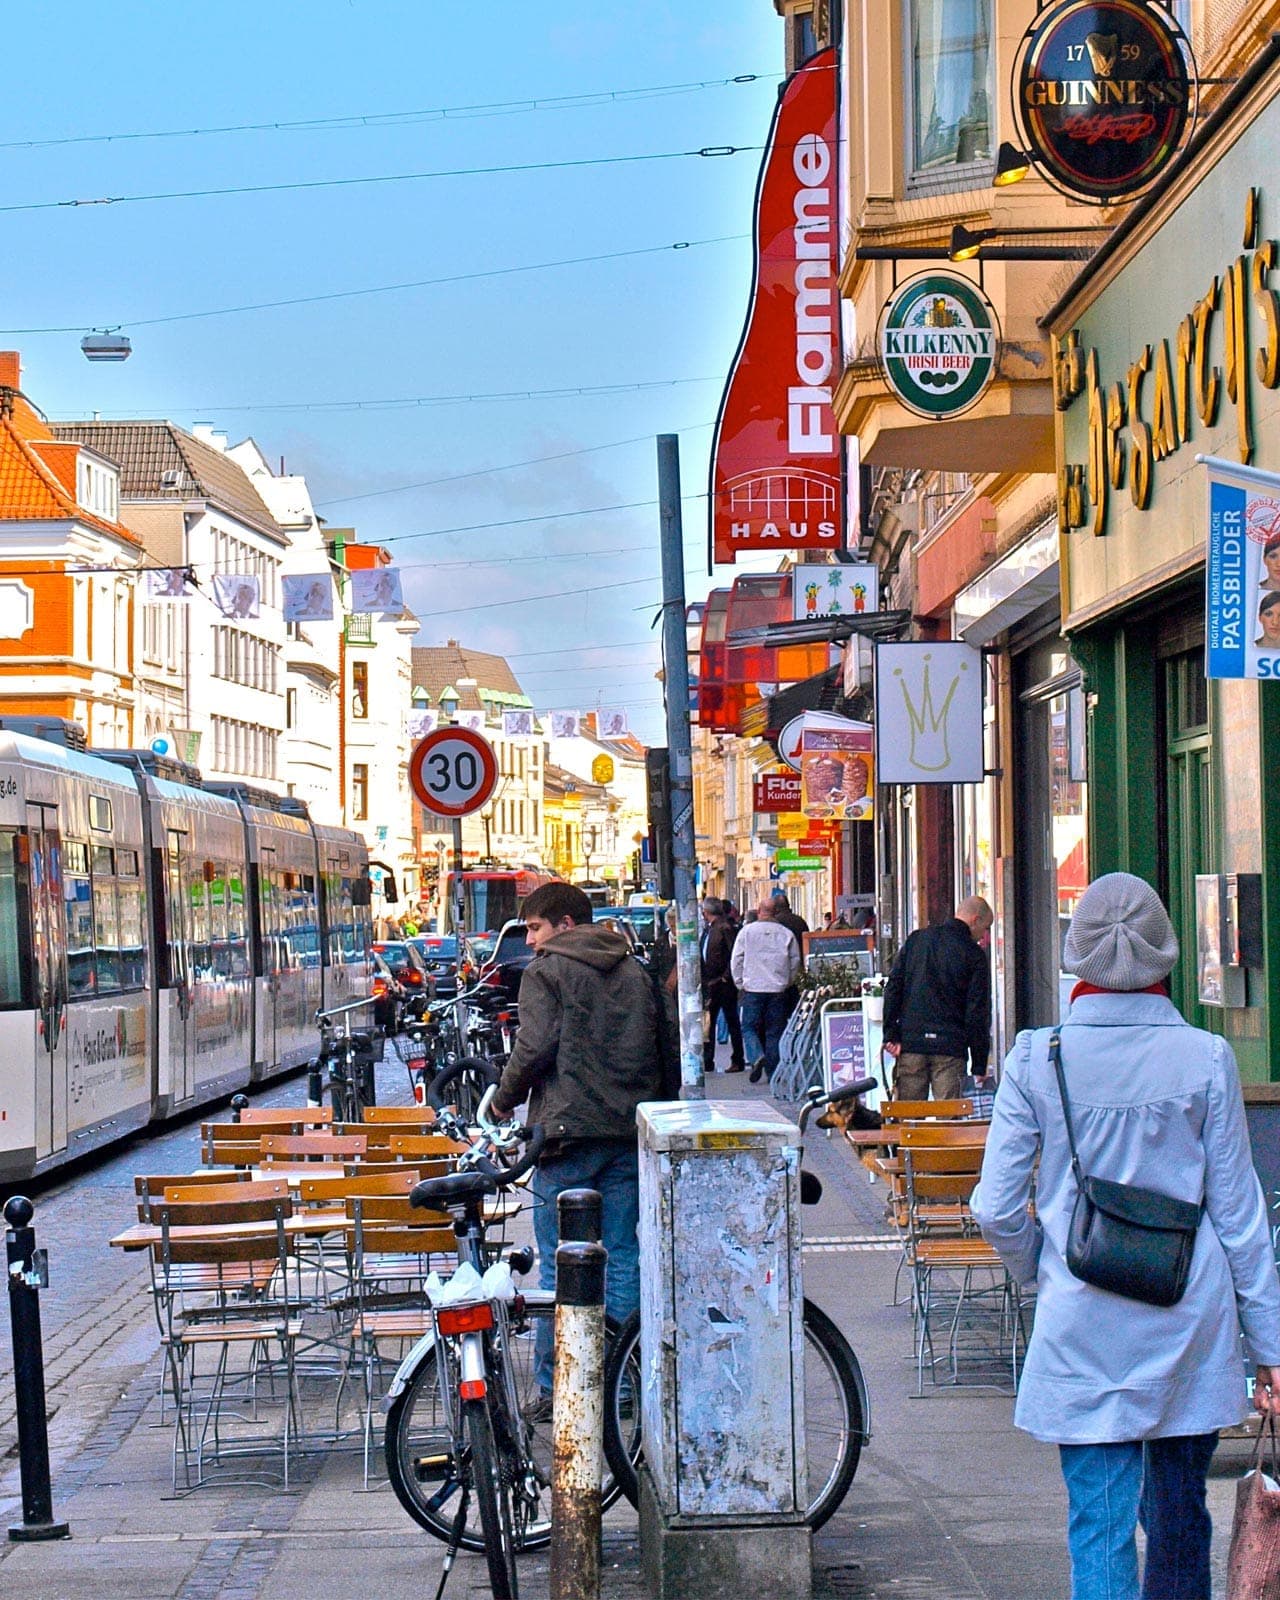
(645, 921)
(410, 971)
(439, 952)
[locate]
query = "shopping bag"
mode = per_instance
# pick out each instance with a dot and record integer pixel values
(1253, 1564)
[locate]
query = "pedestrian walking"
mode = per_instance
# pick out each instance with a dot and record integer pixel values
(719, 992)
(586, 1054)
(937, 1005)
(764, 965)
(1133, 1394)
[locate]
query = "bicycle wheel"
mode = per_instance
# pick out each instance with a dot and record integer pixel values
(420, 1453)
(463, 1084)
(834, 1422)
(493, 1501)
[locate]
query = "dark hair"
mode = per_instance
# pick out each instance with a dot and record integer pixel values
(1273, 543)
(1269, 602)
(553, 902)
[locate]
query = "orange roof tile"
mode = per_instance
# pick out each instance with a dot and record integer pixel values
(29, 489)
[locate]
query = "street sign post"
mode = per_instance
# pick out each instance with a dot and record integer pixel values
(453, 772)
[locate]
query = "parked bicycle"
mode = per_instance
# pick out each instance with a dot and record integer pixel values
(346, 1065)
(837, 1411)
(467, 1451)
(468, 1036)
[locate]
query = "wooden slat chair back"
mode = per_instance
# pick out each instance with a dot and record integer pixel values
(304, 1147)
(227, 1144)
(942, 1135)
(411, 1147)
(195, 1191)
(296, 1118)
(334, 1192)
(925, 1110)
(150, 1187)
(379, 1169)
(411, 1116)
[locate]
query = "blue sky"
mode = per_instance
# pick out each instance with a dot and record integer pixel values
(130, 67)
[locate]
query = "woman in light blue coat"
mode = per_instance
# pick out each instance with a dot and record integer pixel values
(1133, 1394)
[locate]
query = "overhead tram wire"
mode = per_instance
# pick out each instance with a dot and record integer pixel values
(383, 288)
(587, 100)
(299, 185)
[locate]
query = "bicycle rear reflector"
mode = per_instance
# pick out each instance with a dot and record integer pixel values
(472, 1389)
(466, 1319)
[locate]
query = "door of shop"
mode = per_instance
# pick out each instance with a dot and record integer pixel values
(1187, 825)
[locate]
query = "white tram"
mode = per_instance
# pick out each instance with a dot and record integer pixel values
(161, 944)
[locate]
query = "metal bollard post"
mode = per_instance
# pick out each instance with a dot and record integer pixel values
(239, 1103)
(577, 1429)
(578, 1216)
(28, 1274)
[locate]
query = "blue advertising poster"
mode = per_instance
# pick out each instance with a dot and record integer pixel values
(844, 1054)
(1242, 572)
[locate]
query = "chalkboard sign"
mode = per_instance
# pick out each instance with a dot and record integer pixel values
(1262, 1114)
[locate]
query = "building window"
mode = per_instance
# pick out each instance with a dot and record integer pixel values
(290, 707)
(360, 792)
(360, 689)
(803, 41)
(949, 79)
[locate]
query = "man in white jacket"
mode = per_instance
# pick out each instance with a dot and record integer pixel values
(766, 959)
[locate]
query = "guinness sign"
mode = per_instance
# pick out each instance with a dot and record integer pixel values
(1103, 95)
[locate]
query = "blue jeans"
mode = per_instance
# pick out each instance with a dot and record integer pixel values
(764, 1016)
(1111, 1486)
(612, 1168)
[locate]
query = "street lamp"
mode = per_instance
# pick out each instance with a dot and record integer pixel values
(104, 344)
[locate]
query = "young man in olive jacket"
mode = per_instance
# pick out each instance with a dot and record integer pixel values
(586, 1055)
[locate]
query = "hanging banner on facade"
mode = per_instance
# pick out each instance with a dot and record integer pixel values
(822, 590)
(566, 724)
(776, 791)
(939, 344)
(929, 726)
(1103, 92)
(237, 594)
(776, 481)
(166, 583)
(307, 597)
(837, 773)
(518, 724)
(475, 720)
(377, 589)
(1242, 572)
(612, 724)
(418, 724)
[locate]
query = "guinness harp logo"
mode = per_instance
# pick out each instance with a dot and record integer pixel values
(1103, 92)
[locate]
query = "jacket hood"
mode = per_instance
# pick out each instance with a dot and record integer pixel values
(601, 948)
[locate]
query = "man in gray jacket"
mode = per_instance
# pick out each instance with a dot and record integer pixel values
(765, 963)
(586, 1055)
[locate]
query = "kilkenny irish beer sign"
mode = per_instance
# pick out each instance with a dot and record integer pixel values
(1104, 91)
(776, 480)
(939, 344)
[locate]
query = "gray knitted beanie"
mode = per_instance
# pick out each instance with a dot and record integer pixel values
(1120, 936)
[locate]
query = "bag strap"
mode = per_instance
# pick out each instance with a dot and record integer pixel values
(1055, 1055)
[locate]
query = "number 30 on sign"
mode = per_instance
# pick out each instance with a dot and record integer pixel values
(453, 771)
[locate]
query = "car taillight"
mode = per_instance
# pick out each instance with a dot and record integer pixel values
(379, 986)
(465, 1319)
(412, 977)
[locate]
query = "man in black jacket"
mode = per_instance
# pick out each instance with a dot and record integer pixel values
(719, 993)
(937, 1005)
(586, 1055)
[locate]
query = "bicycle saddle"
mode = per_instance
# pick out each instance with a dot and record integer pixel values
(453, 1188)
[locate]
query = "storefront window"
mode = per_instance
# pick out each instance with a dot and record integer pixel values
(950, 81)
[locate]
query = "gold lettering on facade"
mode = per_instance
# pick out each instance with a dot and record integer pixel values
(1183, 358)
(1099, 467)
(1208, 379)
(1235, 313)
(1070, 496)
(1068, 369)
(1140, 473)
(1115, 441)
(1164, 425)
(1267, 360)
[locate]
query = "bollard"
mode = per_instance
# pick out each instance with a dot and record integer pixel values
(239, 1103)
(577, 1428)
(28, 1274)
(578, 1216)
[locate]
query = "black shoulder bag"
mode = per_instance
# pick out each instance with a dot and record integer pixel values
(1130, 1241)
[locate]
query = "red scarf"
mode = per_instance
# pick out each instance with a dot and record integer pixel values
(1161, 988)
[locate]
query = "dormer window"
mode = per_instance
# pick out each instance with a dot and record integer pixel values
(98, 487)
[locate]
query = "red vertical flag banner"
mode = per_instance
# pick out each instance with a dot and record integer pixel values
(775, 465)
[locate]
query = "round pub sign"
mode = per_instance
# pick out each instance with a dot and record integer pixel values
(939, 343)
(1103, 95)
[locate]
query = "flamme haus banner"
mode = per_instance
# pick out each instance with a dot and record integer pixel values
(776, 479)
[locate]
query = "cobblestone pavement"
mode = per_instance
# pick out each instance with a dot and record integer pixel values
(950, 1502)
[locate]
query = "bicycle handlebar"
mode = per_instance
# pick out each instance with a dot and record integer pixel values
(817, 1098)
(351, 1005)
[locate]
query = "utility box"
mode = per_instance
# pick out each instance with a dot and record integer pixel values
(721, 1317)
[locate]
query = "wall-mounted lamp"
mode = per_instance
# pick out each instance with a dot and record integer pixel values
(1012, 165)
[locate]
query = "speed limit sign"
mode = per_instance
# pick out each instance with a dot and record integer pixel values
(453, 771)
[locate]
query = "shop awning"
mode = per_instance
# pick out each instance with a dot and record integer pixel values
(822, 692)
(825, 630)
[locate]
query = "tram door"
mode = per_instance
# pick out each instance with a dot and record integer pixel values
(269, 927)
(182, 1026)
(49, 957)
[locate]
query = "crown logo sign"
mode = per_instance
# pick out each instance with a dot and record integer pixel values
(930, 738)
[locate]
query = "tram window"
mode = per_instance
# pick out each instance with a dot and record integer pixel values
(77, 898)
(106, 924)
(10, 949)
(237, 928)
(133, 951)
(100, 813)
(198, 900)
